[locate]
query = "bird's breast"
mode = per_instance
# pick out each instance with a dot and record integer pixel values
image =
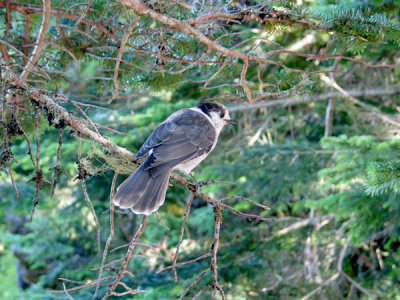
(188, 166)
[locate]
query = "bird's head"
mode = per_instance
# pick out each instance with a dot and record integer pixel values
(218, 114)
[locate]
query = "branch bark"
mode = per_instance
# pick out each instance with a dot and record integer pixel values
(40, 40)
(59, 117)
(392, 90)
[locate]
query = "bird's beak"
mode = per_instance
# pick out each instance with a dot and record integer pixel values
(230, 122)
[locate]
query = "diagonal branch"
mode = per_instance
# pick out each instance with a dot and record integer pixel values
(111, 235)
(119, 57)
(127, 258)
(40, 40)
(57, 114)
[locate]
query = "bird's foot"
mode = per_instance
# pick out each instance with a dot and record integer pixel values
(193, 187)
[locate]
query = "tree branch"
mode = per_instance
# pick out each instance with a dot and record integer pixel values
(40, 40)
(58, 116)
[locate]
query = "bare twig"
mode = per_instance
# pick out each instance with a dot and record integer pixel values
(375, 111)
(38, 172)
(194, 283)
(187, 211)
(111, 235)
(127, 258)
(6, 154)
(161, 221)
(202, 291)
(185, 262)
(66, 292)
(245, 199)
(243, 81)
(84, 114)
(84, 13)
(214, 249)
(40, 40)
(60, 114)
(358, 286)
(208, 182)
(319, 97)
(82, 176)
(137, 244)
(321, 286)
(57, 167)
(119, 57)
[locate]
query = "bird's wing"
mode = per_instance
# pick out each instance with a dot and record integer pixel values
(185, 135)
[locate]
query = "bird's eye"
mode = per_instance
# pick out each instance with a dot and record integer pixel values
(222, 114)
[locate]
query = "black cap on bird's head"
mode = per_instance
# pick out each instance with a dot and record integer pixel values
(221, 110)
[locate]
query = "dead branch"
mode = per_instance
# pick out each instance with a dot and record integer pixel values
(185, 263)
(214, 249)
(127, 258)
(38, 178)
(119, 57)
(59, 115)
(57, 168)
(111, 235)
(194, 283)
(187, 211)
(82, 176)
(392, 90)
(40, 40)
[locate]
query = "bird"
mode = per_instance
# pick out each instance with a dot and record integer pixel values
(181, 142)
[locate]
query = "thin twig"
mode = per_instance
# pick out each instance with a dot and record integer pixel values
(82, 284)
(245, 199)
(187, 212)
(161, 221)
(186, 262)
(111, 130)
(358, 286)
(108, 264)
(57, 167)
(127, 258)
(214, 249)
(87, 198)
(48, 102)
(40, 40)
(85, 115)
(202, 291)
(111, 235)
(119, 57)
(391, 90)
(208, 182)
(38, 171)
(194, 283)
(6, 154)
(84, 13)
(66, 292)
(243, 80)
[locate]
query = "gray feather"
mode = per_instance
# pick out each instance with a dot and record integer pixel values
(144, 191)
(184, 131)
(152, 197)
(185, 135)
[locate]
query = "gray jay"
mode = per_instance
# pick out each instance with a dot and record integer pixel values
(181, 142)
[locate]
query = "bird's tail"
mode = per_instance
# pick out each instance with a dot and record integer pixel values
(141, 192)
